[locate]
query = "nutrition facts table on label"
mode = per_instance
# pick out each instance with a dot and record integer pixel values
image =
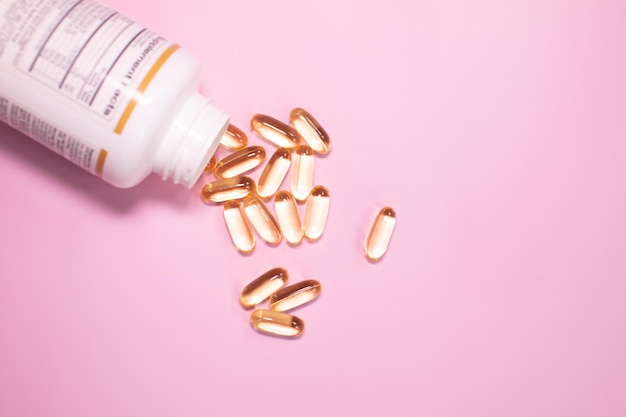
(82, 48)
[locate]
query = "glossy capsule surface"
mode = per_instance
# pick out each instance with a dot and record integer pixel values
(316, 212)
(262, 219)
(227, 189)
(210, 167)
(239, 229)
(379, 234)
(310, 130)
(274, 173)
(276, 323)
(295, 295)
(234, 138)
(262, 287)
(288, 218)
(240, 162)
(302, 170)
(275, 131)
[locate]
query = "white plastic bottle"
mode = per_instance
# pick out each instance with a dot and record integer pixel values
(104, 92)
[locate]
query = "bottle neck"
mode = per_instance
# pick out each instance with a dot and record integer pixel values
(191, 140)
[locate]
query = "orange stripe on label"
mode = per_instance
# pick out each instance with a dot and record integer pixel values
(100, 163)
(143, 86)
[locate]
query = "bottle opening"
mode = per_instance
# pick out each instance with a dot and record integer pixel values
(191, 141)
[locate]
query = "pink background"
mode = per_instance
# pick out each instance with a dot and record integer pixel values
(495, 129)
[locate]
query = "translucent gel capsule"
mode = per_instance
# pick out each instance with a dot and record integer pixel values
(227, 189)
(276, 323)
(262, 287)
(240, 162)
(234, 138)
(311, 131)
(238, 226)
(262, 219)
(275, 131)
(286, 211)
(380, 234)
(210, 167)
(316, 212)
(274, 173)
(295, 295)
(302, 171)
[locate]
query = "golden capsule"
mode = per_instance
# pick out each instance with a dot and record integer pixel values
(234, 138)
(210, 167)
(227, 189)
(262, 287)
(262, 219)
(316, 212)
(274, 173)
(310, 130)
(275, 131)
(276, 323)
(295, 295)
(286, 211)
(380, 233)
(302, 171)
(240, 162)
(238, 226)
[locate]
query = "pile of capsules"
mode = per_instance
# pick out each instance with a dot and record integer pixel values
(276, 320)
(245, 210)
(243, 198)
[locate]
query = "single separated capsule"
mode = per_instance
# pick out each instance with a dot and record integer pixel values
(380, 233)
(274, 173)
(295, 295)
(262, 287)
(286, 211)
(240, 162)
(316, 212)
(227, 189)
(262, 219)
(310, 130)
(276, 323)
(234, 138)
(238, 227)
(275, 131)
(302, 172)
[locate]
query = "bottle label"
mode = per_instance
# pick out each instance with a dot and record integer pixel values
(80, 153)
(84, 50)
